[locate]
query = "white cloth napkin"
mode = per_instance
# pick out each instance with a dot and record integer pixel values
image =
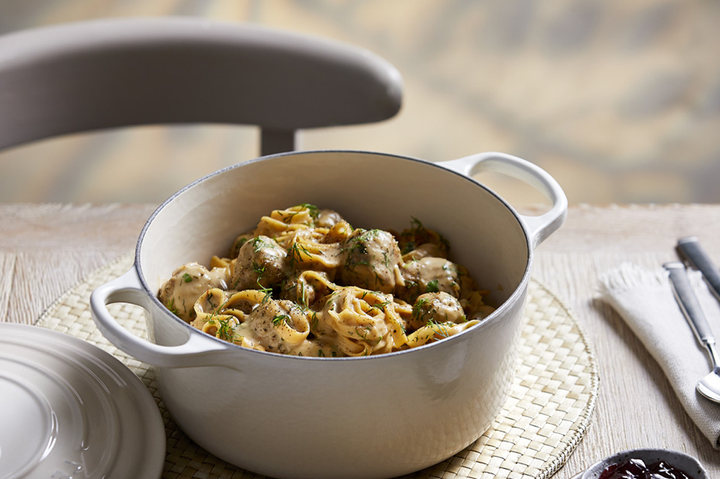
(645, 301)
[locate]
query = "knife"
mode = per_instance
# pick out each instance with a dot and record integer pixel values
(689, 303)
(690, 249)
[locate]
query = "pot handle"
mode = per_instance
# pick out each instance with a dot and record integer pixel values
(540, 226)
(198, 350)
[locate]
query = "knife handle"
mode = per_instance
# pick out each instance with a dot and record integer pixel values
(693, 252)
(689, 304)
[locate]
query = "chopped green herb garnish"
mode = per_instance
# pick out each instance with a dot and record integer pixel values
(225, 331)
(295, 253)
(259, 243)
(280, 318)
(439, 328)
(312, 209)
(172, 307)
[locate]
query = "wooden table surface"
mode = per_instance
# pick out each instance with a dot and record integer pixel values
(46, 249)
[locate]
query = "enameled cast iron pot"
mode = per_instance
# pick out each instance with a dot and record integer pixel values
(368, 417)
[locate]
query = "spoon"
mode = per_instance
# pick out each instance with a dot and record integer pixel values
(709, 386)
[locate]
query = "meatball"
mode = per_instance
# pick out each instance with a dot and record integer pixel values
(265, 324)
(428, 275)
(436, 307)
(423, 251)
(239, 241)
(186, 285)
(371, 260)
(418, 235)
(260, 264)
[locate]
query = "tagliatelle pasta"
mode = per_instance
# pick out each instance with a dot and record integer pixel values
(305, 282)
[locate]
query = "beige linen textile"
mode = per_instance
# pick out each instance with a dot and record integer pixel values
(644, 299)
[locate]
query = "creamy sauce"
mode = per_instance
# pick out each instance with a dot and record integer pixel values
(305, 282)
(187, 284)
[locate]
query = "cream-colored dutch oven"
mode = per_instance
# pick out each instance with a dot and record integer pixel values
(378, 416)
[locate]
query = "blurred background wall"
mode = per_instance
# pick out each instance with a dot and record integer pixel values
(618, 100)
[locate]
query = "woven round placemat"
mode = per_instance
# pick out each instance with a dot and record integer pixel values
(545, 417)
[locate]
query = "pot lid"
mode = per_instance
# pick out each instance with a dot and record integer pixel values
(70, 409)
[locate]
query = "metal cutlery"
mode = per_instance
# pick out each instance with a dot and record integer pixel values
(708, 386)
(691, 251)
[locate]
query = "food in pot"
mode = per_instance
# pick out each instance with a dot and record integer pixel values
(305, 282)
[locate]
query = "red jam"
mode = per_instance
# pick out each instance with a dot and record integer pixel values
(637, 469)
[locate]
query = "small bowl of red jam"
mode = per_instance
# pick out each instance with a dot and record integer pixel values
(646, 464)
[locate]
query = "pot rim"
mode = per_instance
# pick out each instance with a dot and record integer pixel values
(490, 319)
